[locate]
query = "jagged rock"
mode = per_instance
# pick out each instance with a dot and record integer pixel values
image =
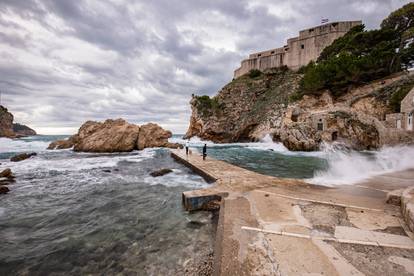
(22, 130)
(22, 156)
(109, 136)
(116, 136)
(4, 189)
(249, 108)
(6, 123)
(161, 172)
(298, 137)
(152, 135)
(63, 144)
(7, 173)
(245, 109)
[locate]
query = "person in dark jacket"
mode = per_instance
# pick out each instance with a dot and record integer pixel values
(204, 151)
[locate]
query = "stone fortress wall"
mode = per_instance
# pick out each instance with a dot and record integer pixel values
(299, 51)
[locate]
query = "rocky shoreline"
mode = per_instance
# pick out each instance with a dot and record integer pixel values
(116, 136)
(9, 129)
(248, 108)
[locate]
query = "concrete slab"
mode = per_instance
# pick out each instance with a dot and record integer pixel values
(274, 226)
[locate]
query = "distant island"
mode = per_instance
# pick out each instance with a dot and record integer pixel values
(348, 86)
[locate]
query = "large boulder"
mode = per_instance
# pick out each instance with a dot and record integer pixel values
(116, 136)
(152, 135)
(6, 123)
(109, 136)
(22, 130)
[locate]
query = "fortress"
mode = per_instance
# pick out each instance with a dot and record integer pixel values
(299, 51)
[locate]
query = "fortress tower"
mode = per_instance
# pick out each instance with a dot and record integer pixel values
(299, 51)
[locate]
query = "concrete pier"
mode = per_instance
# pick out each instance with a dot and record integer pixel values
(276, 226)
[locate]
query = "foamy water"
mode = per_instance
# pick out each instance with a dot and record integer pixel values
(350, 167)
(336, 165)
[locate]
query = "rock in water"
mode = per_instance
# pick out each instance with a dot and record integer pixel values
(161, 172)
(116, 136)
(4, 189)
(7, 173)
(109, 136)
(22, 156)
(63, 144)
(22, 130)
(6, 123)
(152, 135)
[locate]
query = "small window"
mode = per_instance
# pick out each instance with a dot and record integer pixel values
(310, 30)
(302, 46)
(334, 135)
(320, 126)
(272, 52)
(334, 25)
(286, 49)
(259, 55)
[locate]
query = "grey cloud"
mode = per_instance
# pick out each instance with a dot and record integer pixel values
(139, 48)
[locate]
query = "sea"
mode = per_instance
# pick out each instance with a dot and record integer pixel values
(103, 214)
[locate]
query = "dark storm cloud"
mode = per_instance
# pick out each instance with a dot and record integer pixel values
(63, 62)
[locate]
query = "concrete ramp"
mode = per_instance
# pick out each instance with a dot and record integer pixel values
(276, 226)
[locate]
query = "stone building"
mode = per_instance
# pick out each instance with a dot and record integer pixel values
(403, 120)
(299, 51)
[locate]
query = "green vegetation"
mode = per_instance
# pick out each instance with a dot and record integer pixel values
(362, 56)
(206, 105)
(394, 93)
(254, 73)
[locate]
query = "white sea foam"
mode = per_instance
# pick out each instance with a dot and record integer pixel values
(266, 143)
(178, 178)
(350, 167)
(21, 145)
(74, 161)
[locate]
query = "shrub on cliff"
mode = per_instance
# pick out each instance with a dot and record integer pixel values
(206, 105)
(362, 56)
(254, 73)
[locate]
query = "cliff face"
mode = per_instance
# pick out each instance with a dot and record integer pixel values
(6, 123)
(10, 130)
(245, 109)
(248, 108)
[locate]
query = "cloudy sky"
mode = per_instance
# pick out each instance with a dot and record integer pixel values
(64, 62)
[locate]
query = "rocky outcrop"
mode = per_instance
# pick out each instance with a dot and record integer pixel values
(245, 109)
(63, 144)
(22, 156)
(10, 130)
(6, 123)
(115, 136)
(109, 136)
(152, 135)
(22, 130)
(249, 108)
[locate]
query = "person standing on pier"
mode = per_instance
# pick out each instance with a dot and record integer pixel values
(187, 144)
(204, 151)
